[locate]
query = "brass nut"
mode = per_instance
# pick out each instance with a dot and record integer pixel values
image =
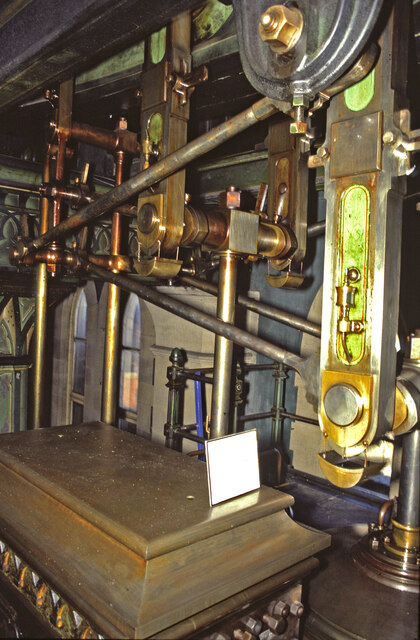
(298, 127)
(281, 27)
(231, 198)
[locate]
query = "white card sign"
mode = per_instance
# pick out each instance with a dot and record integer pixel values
(232, 465)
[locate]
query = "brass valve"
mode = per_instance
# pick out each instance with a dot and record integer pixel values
(345, 301)
(281, 27)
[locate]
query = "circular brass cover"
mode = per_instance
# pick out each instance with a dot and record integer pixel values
(343, 404)
(147, 217)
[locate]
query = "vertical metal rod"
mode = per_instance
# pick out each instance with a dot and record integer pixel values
(198, 393)
(40, 326)
(223, 348)
(112, 326)
(408, 510)
(65, 105)
(176, 386)
(238, 396)
(278, 399)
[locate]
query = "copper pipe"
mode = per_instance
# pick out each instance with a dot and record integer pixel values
(56, 256)
(59, 172)
(157, 172)
(64, 122)
(384, 510)
(113, 141)
(79, 195)
(40, 323)
(223, 349)
(290, 319)
(112, 326)
(114, 263)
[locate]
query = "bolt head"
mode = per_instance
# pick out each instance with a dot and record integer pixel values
(281, 27)
(388, 137)
(323, 153)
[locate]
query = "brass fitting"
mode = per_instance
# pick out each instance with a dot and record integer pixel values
(281, 27)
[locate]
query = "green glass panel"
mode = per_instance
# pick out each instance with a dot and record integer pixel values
(155, 128)
(158, 45)
(359, 95)
(353, 252)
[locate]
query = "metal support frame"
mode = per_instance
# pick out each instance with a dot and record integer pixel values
(40, 325)
(223, 349)
(112, 326)
(176, 386)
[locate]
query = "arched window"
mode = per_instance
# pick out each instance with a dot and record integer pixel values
(130, 364)
(77, 389)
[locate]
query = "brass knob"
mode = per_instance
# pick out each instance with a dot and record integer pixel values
(281, 27)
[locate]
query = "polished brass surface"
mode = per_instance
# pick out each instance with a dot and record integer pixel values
(166, 87)
(40, 325)
(223, 349)
(158, 267)
(112, 323)
(150, 220)
(372, 237)
(281, 27)
(286, 280)
(345, 437)
(405, 537)
(400, 412)
(344, 473)
(122, 540)
(288, 180)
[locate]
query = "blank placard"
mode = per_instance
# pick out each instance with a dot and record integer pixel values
(232, 465)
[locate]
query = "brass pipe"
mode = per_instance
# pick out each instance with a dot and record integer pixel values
(64, 122)
(40, 325)
(384, 510)
(157, 172)
(223, 349)
(112, 326)
(113, 141)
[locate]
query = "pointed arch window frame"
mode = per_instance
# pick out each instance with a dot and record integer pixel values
(77, 360)
(130, 361)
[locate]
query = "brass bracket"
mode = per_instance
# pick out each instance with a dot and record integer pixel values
(356, 432)
(158, 267)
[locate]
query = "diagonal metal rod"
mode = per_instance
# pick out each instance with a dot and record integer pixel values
(159, 171)
(204, 320)
(260, 307)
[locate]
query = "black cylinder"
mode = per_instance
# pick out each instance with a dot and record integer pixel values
(408, 511)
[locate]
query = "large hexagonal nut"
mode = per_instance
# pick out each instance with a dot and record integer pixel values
(281, 27)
